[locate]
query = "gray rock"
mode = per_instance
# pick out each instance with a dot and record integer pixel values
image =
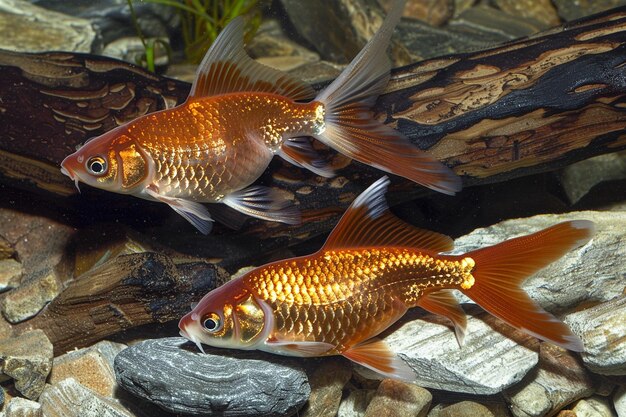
(619, 401)
(539, 10)
(28, 28)
(465, 409)
(492, 21)
(131, 49)
(602, 329)
(10, 273)
(327, 379)
(68, 398)
(399, 399)
(559, 380)
(31, 296)
(355, 404)
(591, 274)
(21, 407)
(174, 375)
(570, 10)
(593, 407)
(28, 360)
(92, 367)
(577, 179)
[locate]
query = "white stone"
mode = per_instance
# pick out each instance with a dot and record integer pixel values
(21, 407)
(593, 407)
(619, 401)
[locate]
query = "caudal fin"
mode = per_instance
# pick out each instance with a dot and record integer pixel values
(351, 129)
(500, 270)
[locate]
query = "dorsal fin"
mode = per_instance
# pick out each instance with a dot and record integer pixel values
(368, 223)
(226, 68)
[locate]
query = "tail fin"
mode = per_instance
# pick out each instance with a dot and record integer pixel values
(351, 129)
(499, 271)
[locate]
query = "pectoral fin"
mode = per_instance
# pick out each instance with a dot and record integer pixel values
(263, 203)
(303, 349)
(376, 355)
(194, 213)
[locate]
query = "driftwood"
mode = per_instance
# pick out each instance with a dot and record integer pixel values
(524, 107)
(123, 293)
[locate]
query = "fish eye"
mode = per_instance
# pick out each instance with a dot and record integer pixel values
(211, 322)
(97, 165)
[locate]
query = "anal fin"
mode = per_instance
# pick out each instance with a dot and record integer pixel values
(195, 213)
(263, 203)
(444, 303)
(376, 355)
(299, 152)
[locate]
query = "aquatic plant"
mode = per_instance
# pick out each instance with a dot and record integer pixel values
(201, 22)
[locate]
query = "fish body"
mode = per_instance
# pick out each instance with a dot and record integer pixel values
(371, 270)
(239, 114)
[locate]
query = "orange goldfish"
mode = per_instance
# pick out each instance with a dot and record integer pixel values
(238, 115)
(370, 271)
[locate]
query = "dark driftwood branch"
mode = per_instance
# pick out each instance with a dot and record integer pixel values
(524, 107)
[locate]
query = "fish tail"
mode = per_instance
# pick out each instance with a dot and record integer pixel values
(499, 271)
(351, 129)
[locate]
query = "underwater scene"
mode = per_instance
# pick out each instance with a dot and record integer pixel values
(352, 208)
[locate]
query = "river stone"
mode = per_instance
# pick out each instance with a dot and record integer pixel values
(399, 399)
(540, 10)
(577, 179)
(327, 378)
(559, 380)
(174, 375)
(68, 398)
(31, 296)
(619, 401)
(10, 273)
(21, 407)
(593, 273)
(355, 404)
(28, 360)
(570, 10)
(28, 28)
(92, 367)
(593, 407)
(465, 409)
(602, 329)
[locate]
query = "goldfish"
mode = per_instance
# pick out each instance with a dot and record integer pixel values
(238, 115)
(370, 271)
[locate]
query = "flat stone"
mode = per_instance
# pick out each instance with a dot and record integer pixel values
(68, 398)
(21, 407)
(29, 28)
(489, 361)
(465, 409)
(355, 404)
(327, 379)
(540, 10)
(28, 360)
(602, 329)
(619, 401)
(31, 296)
(92, 367)
(11, 272)
(592, 272)
(559, 380)
(174, 375)
(487, 19)
(399, 399)
(593, 407)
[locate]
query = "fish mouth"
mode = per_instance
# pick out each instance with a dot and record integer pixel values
(71, 174)
(184, 333)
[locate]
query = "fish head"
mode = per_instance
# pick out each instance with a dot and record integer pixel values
(112, 162)
(228, 317)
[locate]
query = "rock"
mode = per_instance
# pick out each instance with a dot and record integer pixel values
(355, 404)
(28, 28)
(319, 72)
(433, 12)
(593, 407)
(559, 380)
(540, 10)
(131, 49)
(570, 10)
(488, 362)
(10, 273)
(68, 398)
(602, 329)
(28, 360)
(92, 367)
(31, 296)
(495, 22)
(174, 375)
(465, 409)
(592, 272)
(21, 407)
(619, 401)
(327, 379)
(579, 178)
(401, 399)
